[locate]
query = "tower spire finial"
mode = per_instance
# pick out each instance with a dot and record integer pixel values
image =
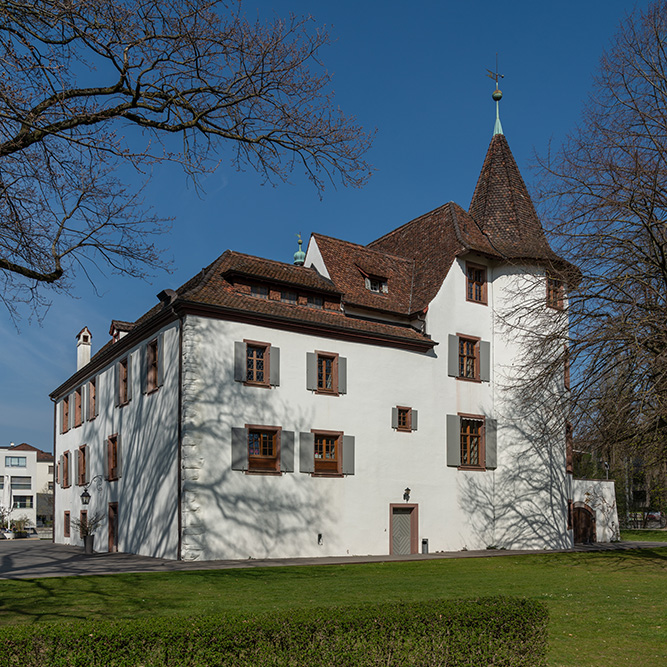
(299, 255)
(497, 96)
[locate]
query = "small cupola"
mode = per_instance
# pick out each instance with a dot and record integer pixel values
(83, 347)
(299, 255)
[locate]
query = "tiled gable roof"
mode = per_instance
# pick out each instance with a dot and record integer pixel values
(349, 264)
(25, 447)
(504, 210)
(432, 241)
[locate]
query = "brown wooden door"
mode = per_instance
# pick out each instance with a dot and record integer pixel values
(583, 519)
(113, 527)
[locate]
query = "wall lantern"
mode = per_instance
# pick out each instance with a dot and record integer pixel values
(406, 494)
(85, 496)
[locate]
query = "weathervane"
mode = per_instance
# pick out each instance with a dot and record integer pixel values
(497, 96)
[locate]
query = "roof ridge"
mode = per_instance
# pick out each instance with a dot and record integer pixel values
(414, 220)
(365, 248)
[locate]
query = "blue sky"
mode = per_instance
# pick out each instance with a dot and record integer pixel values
(415, 72)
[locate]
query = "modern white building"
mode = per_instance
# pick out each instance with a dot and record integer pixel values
(26, 477)
(363, 400)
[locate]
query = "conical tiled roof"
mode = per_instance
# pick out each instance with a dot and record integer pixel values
(503, 209)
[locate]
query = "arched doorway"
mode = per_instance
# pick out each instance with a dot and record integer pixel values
(583, 522)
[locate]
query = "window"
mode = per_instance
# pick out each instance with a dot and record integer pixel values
(23, 502)
(472, 431)
(50, 486)
(566, 367)
(113, 457)
(469, 358)
(124, 381)
(377, 285)
(471, 442)
(476, 283)
(66, 525)
(66, 470)
(261, 291)
(569, 449)
(256, 364)
(315, 301)
(65, 415)
(83, 522)
(326, 373)
(326, 452)
(15, 461)
(92, 398)
(82, 466)
(152, 366)
(77, 407)
(262, 449)
(555, 292)
(288, 296)
(404, 419)
(50, 470)
(2, 482)
(21, 483)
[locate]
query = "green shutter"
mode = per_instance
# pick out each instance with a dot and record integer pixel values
(453, 441)
(453, 356)
(274, 366)
(311, 371)
(287, 451)
(485, 361)
(240, 371)
(347, 467)
(239, 449)
(307, 452)
(342, 375)
(394, 417)
(415, 419)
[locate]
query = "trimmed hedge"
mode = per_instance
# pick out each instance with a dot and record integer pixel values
(446, 633)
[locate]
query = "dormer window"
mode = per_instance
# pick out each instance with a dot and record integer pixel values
(315, 301)
(262, 291)
(377, 285)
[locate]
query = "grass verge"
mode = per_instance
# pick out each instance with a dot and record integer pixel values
(606, 608)
(644, 535)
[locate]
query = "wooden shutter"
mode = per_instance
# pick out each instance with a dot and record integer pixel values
(143, 366)
(484, 361)
(160, 360)
(106, 459)
(85, 402)
(240, 372)
(453, 441)
(77, 463)
(116, 383)
(128, 396)
(311, 371)
(415, 418)
(347, 467)
(490, 446)
(119, 456)
(342, 375)
(287, 451)
(61, 475)
(97, 394)
(71, 420)
(87, 473)
(394, 417)
(453, 356)
(239, 448)
(307, 452)
(274, 366)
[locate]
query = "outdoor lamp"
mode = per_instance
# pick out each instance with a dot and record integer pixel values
(85, 497)
(406, 494)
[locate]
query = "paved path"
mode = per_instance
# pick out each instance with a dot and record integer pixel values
(29, 559)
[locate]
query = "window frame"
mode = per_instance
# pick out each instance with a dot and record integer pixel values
(255, 462)
(78, 406)
(112, 449)
(123, 381)
(83, 521)
(66, 524)
(470, 283)
(286, 293)
(82, 466)
(324, 470)
(266, 382)
(315, 301)
(462, 340)
(406, 426)
(333, 357)
(67, 469)
(555, 292)
(17, 465)
(28, 506)
(152, 366)
(258, 292)
(20, 486)
(481, 450)
(64, 415)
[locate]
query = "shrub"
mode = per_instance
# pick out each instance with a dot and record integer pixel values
(446, 633)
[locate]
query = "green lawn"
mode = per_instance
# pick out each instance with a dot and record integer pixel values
(606, 608)
(644, 535)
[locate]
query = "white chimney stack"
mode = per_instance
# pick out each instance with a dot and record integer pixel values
(83, 344)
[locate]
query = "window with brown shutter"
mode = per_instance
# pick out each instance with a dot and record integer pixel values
(78, 420)
(404, 419)
(476, 283)
(327, 454)
(83, 523)
(468, 358)
(123, 396)
(92, 399)
(263, 449)
(152, 366)
(67, 469)
(472, 442)
(555, 292)
(66, 525)
(65, 415)
(81, 472)
(112, 457)
(327, 373)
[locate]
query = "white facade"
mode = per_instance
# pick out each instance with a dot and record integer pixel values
(599, 497)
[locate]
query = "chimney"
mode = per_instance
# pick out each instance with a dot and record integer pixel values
(83, 339)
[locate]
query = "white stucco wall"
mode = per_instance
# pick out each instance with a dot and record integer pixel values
(7, 494)
(230, 514)
(146, 492)
(600, 496)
